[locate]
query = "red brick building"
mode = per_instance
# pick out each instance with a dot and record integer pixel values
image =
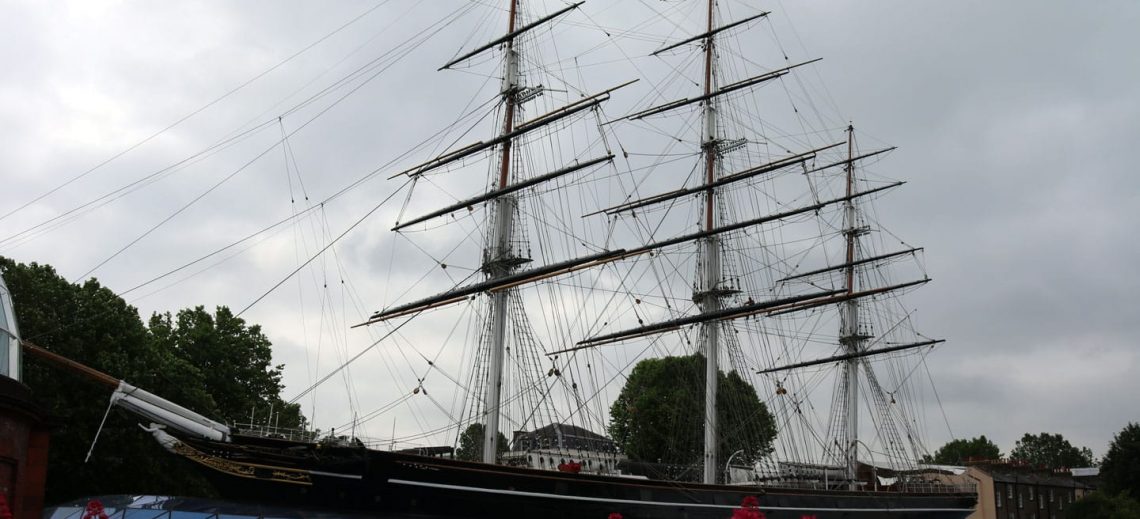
(23, 427)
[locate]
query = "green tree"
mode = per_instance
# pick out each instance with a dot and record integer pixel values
(658, 416)
(1120, 469)
(1099, 505)
(90, 324)
(233, 361)
(1051, 451)
(959, 451)
(213, 364)
(471, 443)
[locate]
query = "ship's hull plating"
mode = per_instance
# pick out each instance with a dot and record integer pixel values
(386, 483)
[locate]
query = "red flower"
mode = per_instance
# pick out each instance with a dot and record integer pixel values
(5, 513)
(749, 509)
(94, 510)
(614, 515)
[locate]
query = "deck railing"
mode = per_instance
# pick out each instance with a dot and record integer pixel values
(269, 431)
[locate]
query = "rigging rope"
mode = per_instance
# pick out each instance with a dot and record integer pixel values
(195, 112)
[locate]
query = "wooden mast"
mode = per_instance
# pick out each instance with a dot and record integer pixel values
(497, 257)
(849, 335)
(709, 297)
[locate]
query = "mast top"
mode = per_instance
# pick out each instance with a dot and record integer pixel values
(510, 35)
(709, 33)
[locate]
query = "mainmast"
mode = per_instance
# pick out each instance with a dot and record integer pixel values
(708, 296)
(849, 335)
(498, 260)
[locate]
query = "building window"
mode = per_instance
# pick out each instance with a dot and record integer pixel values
(1050, 495)
(997, 496)
(1020, 503)
(9, 336)
(1041, 504)
(1009, 491)
(1031, 493)
(1012, 515)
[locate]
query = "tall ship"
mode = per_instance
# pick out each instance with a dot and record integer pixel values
(671, 309)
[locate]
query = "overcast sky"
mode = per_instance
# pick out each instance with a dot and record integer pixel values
(1016, 123)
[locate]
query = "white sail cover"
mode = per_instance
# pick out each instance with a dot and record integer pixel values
(167, 413)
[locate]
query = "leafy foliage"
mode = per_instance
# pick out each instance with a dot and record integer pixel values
(233, 361)
(959, 451)
(471, 443)
(1099, 505)
(1120, 468)
(92, 325)
(1051, 451)
(658, 417)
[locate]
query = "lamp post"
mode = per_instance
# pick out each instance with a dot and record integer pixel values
(874, 468)
(727, 479)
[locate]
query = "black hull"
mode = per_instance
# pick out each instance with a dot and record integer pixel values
(378, 483)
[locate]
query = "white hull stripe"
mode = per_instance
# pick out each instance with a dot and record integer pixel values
(661, 503)
(335, 475)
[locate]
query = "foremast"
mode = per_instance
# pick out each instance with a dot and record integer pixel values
(849, 334)
(708, 295)
(498, 259)
(502, 258)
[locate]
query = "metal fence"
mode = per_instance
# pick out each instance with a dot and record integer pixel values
(269, 431)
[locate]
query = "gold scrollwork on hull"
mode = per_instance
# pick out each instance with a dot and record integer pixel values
(244, 470)
(292, 476)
